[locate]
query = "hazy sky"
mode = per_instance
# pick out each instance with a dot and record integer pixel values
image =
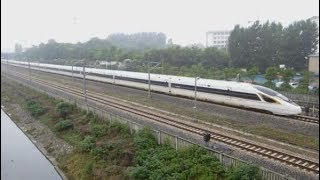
(31, 22)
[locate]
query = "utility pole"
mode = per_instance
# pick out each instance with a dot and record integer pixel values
(85, 86)
(29, 69)
(149, 69)
(149, 94)
(195, 91)
(72, 72)
(161, 65)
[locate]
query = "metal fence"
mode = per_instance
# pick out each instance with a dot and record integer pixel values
(303, 98)
(162, 136)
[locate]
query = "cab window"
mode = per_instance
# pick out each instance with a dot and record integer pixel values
(267, 99)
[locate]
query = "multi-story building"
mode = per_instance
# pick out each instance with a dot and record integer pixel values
(218, 39)
(314, 63)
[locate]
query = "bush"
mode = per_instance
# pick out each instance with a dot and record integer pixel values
(35, 109)
(63, 125)
(119, 127)
(144, 139)
(244, 172)
(64, 109)
(163, 162)
(98, 130)
(87, 144)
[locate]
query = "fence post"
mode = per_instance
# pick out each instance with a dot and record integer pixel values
(313, 110)
(159, 137)
(176, 142)
(220, 157)
(130, 126)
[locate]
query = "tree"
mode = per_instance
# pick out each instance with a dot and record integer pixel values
(287, 75)
(138, 41)
(269, 44)
(271, 74)
(299, 41)
(18, 48)
(252, 73)
(304, 83)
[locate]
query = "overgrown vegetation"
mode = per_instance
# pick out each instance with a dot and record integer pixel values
(153, 162)
(64, 109)
(244, 172)
(63, 125)
(34, 107)
(106, 150)
(164, 162)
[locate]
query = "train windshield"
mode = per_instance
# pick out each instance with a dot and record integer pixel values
(272, 93)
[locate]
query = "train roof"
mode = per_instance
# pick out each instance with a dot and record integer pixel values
(201, 82)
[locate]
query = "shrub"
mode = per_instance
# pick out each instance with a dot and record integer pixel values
(64, 109)
(90, 116)
(88, 168)
(244, 172)
(87, 144)
(63, 125)
(165, 162)
(119, 127)
(98, 130)
(35, 109)
(144, 139)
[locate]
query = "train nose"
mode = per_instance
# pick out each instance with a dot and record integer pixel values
(297, 109)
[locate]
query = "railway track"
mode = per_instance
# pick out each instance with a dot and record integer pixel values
(304, 118)
(310, 119)
(168, 120)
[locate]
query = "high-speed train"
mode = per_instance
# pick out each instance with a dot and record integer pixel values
(238, 94)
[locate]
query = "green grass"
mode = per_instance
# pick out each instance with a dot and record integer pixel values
(72, 137)
(295, 139)
(34, 107)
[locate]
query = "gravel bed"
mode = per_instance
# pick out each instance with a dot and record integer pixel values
(227, 115)
(223, 115)
(264, 162)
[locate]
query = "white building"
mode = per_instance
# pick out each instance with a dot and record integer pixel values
(218, 39)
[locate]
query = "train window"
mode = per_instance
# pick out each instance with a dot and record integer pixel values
(266, 90)
(267, 99)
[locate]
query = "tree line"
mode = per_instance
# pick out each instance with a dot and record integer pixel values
(259, 45)
(115, 47)
(271, 44)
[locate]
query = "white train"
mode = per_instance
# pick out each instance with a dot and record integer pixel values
(226, 92)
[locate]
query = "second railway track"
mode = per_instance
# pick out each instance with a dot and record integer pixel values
(248, 146)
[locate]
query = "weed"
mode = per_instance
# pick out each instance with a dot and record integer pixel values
(64, 108)
(33, 107)
(98, 130)
(119, 127)
(72, 137)
(245, 172)
(63, 125)
(87, 144)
